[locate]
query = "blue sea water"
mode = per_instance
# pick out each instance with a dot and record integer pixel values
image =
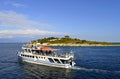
(91, 63)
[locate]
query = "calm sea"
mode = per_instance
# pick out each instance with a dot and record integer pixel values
(91, 63)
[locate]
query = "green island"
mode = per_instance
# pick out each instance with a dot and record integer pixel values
(68, 41)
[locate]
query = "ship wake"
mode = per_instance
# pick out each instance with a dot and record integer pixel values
(94, 70)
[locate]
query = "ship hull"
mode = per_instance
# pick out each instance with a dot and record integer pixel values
(43, 62)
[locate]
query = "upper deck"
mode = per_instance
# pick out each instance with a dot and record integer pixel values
(46, 51)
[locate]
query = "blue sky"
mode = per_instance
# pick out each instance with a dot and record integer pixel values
(25, 20)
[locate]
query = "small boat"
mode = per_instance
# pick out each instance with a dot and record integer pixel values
(45, 55)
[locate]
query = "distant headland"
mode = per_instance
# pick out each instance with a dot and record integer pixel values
(68, 41)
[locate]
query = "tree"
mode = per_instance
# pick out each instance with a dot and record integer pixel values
(67, 36)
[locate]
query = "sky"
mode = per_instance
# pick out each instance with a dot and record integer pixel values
(26, 20)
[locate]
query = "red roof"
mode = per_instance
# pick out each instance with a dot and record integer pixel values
(46, 48)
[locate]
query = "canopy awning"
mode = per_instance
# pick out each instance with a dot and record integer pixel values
(47, 48)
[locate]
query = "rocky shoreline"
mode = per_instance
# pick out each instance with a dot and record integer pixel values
(80, 44)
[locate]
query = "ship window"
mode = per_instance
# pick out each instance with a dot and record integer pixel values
(31, 56)
(29, 51)
(64, 61)
(56, 60)
(51, 60)
(36, 57)
(25, 50)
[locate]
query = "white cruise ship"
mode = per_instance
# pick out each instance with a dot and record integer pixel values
(46, 56)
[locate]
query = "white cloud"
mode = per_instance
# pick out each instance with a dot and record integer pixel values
(11, 18)
(26, 33)
(17, 5)
(14, 4)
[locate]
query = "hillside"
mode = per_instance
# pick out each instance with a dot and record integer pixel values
(68, 41)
